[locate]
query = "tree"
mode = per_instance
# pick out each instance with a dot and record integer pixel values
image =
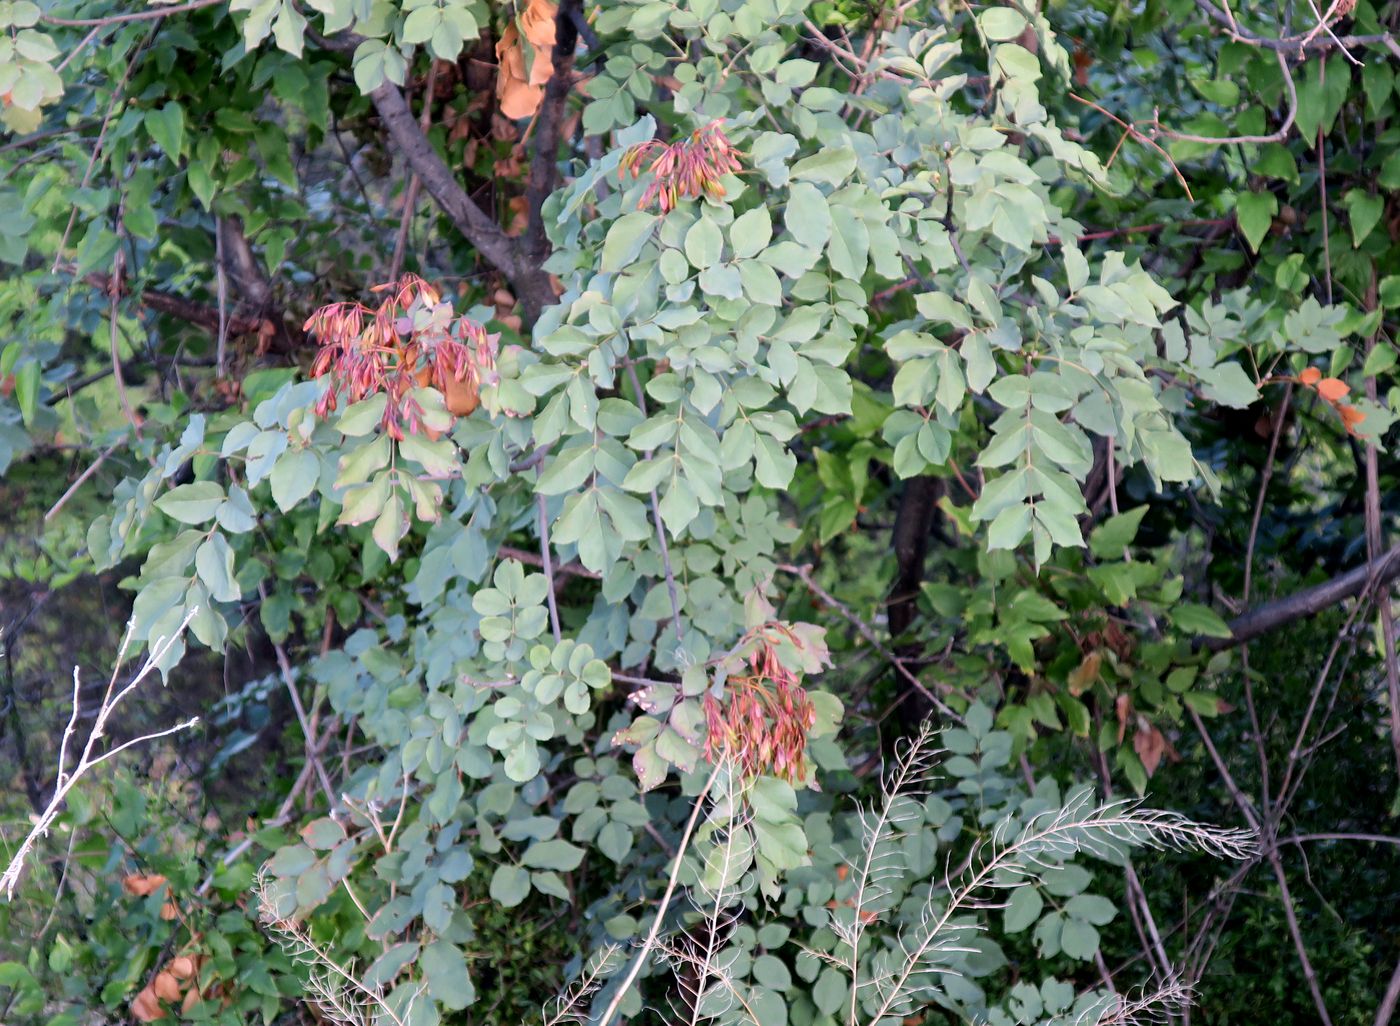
(755, 381)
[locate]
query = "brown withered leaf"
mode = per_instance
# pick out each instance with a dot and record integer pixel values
(142, 884)
(519, 210)
(503, 128)
(1150, 745)
(146, 1007)
(1123, 706)
(525, 58)
(460, 397)
(1083, 676)
(537, 25)
(165, 985)
(517, 91)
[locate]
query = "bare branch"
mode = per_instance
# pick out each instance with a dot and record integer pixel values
(1299, 45)
(804, 574)
(148, 14)
(649, 944)
(90, 757)
(530, 282)
(1281, 612)
(1277, 136)
(342, 996)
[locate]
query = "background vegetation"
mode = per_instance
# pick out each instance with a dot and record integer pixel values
(653, 512)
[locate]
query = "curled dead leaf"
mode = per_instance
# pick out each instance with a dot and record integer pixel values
(1351, 417)
(519, 210)
(146, 1005)
(1150, 746)
(142, 884)
(182, 967)
(537, 24)
(169, 911)
(1083, 676)
(1332, 389)
(461, 397)
(503, 129)
(165, 985)
(516, 92)
(1123, 706)
(192, 998)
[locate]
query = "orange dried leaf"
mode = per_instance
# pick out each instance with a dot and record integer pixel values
(1351, 417)
(517, 96)
(1150, 746)
(146, 1006)
(1123, 706)
(181, 967)
(1332, 389)
(1310, 377)
(165, 985)
(462, 397)
(537, 26)
(142, 884)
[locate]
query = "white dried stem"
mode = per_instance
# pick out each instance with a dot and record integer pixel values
(90, 757)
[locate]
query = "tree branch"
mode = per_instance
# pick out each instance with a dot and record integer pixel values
(118, 19)
(1281, 612)
(544, 166)
(1301, 45)
(182, 309)
(531, 284)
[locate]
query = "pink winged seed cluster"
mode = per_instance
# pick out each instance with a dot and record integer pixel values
(763, 720)
(394, 349)
(689, 168)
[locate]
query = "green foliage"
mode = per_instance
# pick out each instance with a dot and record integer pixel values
(580, 594)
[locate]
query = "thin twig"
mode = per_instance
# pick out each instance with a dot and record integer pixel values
(1265, 476)
(415, 183)
(804, 574)
(1140, 137)
(1322, 189)
(1276, 136)
(1300, 43)
(285, 667)
(82, 45)
(113, 312)
(1375, 539)
(117, 95)
(221, 288)
(573, 569)
(547, 560)
(650, 942)
(1389, 999)
(117, 19)
(82, 478)
(656, 516)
